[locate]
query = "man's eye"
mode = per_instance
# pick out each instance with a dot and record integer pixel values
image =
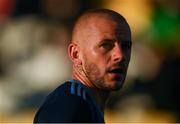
(107, 46)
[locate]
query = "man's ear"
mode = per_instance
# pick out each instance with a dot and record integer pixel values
(73, 52)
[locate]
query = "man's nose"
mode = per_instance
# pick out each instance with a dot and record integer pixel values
(118, 54)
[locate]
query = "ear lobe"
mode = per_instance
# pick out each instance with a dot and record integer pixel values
(73, 52)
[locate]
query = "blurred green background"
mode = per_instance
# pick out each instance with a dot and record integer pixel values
(33, 61)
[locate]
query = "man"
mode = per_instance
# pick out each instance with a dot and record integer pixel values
(100, 51)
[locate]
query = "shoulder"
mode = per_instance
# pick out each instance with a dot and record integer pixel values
(65, 104)
(68, 90)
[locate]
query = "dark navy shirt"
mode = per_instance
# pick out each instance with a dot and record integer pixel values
(70, 102)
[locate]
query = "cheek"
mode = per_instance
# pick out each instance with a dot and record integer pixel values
(97, 58)
(127, 55)
(100, 61)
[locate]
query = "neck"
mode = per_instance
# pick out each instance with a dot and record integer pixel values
(100, 95)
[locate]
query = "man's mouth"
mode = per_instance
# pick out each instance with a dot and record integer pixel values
(116, 71)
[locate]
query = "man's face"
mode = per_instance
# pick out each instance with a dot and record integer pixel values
(106, 53)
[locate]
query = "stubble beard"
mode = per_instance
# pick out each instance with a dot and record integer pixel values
(92, 72)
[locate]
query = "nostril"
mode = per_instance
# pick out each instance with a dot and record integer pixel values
(118, 54)
(119, 57)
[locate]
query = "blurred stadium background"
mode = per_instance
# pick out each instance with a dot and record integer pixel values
(33, 38)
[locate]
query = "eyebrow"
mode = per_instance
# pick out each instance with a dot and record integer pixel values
(107, 40)
(129, 42)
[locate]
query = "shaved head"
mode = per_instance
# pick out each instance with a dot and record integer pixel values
(83, 25)
(100, 49)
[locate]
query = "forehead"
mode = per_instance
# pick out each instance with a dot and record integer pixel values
(103, 26)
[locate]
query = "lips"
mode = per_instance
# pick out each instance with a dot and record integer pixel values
(116, 71)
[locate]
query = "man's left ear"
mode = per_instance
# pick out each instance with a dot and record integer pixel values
(73, 52)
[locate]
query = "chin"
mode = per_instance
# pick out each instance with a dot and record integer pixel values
(117, 86)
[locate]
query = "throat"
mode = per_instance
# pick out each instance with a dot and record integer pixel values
(101, 97)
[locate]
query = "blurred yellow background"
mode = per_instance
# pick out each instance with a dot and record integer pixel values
(33, 61)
